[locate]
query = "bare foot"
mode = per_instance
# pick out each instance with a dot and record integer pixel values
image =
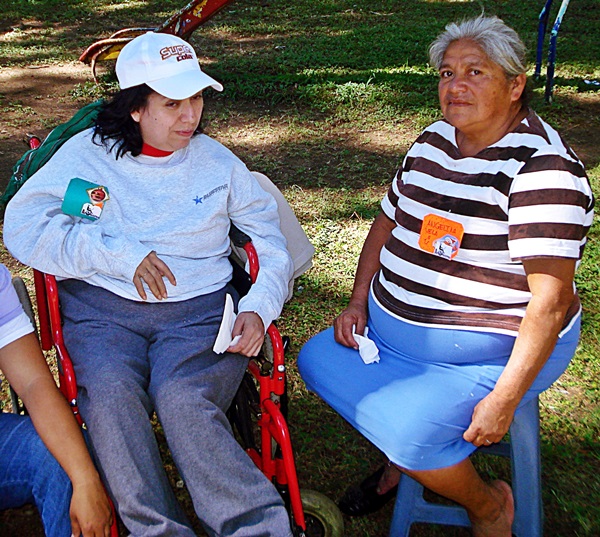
(389, 479)
(501, 526)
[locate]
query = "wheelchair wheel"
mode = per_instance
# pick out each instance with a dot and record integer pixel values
(25, 300)
(243, 413)
(323, 517)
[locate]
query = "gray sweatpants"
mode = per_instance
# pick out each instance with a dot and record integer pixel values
(133, 358)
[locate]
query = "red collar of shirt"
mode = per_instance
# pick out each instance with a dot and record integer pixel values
(153, 152)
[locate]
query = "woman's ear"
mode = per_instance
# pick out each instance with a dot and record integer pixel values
(135, 115)
(518, 86)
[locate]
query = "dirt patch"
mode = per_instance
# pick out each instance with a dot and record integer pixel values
(33, 100)
(581, 132)
(24, 522)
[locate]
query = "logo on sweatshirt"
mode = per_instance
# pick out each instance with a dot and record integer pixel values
(200, 199)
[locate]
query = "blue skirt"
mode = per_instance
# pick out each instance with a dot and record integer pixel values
(416, 403)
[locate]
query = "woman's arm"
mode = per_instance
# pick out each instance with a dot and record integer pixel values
(25, 368)
(254, 212)
(368, 264)
(39, 234)
(551, 285)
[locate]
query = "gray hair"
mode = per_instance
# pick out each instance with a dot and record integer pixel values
(501, 43)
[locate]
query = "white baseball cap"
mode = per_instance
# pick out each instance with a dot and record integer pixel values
(166, 63)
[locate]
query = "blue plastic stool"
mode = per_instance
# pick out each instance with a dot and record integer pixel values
(524, 452)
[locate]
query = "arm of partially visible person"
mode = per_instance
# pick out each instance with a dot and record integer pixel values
(550, 281)
(355, 313)
(25, 368)
(255, 213)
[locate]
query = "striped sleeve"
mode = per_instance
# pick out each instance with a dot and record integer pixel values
(550, 208)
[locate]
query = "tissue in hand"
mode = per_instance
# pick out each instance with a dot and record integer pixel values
(366, 347)
(224, 339)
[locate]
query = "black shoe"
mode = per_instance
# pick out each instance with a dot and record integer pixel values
(360, 500)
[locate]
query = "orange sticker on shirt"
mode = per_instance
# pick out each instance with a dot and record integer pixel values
(441, 236)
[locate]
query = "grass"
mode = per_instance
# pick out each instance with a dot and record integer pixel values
(326, 97)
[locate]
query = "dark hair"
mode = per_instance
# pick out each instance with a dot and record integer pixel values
(114, 125)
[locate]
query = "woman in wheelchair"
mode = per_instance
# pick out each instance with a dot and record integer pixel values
(43, 457)
(133, 217)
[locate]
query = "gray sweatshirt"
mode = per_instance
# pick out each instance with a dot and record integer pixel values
(179, 206)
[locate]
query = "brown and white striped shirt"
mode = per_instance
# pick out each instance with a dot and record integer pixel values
(526, 196)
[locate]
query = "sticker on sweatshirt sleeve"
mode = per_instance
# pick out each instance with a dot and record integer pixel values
(441, 236)
(84, 199)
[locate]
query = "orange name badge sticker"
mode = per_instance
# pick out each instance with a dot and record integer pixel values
(441, 236)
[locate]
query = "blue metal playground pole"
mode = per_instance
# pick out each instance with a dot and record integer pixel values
(543, 24)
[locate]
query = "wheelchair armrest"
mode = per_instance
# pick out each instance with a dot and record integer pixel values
(240, 279)
(238, 237)
(240, 240)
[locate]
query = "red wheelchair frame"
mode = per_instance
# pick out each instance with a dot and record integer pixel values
(276, 464)
(181, 24)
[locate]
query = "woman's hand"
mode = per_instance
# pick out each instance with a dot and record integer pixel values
(152, 270)
(90, 510)
(491, 419)
(368, 264)
(250, 325)
(355, 315)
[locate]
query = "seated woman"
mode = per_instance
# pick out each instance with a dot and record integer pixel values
(43, 456)
(140, 244)
(465, 283)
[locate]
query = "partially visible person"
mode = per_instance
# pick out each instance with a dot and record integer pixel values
(465, 283)
(43, 457)
(143, 279)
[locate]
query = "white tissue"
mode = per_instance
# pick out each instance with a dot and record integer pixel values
(224, 339)
(366, 347)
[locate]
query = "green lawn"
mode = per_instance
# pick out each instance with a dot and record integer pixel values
(325, 97)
